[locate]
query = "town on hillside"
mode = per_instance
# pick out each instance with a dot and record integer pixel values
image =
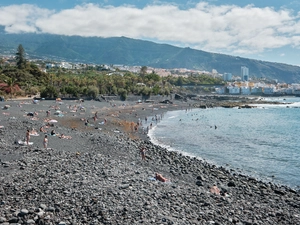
(233, 84)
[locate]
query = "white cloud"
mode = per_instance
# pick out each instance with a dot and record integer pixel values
(225, 28)
(21, 18)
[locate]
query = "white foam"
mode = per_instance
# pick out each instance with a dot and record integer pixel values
(155, 141)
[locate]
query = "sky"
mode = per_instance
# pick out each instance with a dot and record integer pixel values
(267, 30)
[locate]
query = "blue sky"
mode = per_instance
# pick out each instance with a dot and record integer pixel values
(266, 30)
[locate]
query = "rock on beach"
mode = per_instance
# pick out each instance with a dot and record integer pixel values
(98, 176)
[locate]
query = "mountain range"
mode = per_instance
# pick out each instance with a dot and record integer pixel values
(133, 52)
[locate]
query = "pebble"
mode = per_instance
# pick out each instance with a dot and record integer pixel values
(99, 178)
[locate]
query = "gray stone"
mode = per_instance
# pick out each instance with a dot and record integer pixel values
(62, 223)
(30, 221)
(24, 212)
(43, 206)
(2, 220)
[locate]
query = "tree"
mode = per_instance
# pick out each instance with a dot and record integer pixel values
(123, 93)
(179, 81)
(2, 61)
(143, 71)
(20, 57)
(92, 91)
(11, 86)
(49, 92)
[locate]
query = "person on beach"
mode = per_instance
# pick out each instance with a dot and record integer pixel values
(159, 177)
(33, 132)
(86, 123)
(143, 152)
(27, 137)
(42, 129)
(214, 190)
(62, 136)
(136, 127)
(45, 141)
(96, 116)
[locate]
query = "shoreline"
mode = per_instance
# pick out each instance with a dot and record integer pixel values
(257, 174)
(99, 177)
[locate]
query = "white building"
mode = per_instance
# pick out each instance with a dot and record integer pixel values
(296, 91)
(268, 90)
(256, 90)
(220, 90)
(245, 90)
(65, 65)
(245, 73)
(233, 90)
(288, 91)
(49, 65)
(227, 76)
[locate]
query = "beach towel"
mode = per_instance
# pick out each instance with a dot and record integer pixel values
(24, 143)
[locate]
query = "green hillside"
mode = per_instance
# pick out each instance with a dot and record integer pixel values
(122, 50)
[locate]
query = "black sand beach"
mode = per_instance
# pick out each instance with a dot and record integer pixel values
(99, 177)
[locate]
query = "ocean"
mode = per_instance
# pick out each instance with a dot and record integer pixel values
(262, 142)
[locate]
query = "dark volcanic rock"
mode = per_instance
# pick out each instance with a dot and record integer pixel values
(99, 178)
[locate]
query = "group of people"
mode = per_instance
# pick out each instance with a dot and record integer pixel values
(45, 140)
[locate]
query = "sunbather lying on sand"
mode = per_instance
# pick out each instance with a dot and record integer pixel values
(160, 177)
(33, 132)
(214, 190)
(62, 136)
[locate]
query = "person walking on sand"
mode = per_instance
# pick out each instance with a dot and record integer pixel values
(143, 152)
(27, 137)
(45, 141)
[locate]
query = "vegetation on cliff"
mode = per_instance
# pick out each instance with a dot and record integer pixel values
(28, 78)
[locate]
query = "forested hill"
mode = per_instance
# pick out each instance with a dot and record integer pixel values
(122, 50)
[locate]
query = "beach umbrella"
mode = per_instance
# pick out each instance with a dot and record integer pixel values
(52, 121)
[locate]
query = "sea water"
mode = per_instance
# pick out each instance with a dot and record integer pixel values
(262, 142)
